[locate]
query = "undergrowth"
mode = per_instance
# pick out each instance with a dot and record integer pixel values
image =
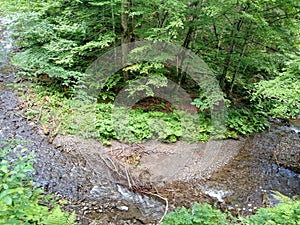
(285, 213)
(58, 113)
(56, 41)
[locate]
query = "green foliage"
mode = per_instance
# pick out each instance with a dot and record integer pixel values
(240, 41)
(58, 217)
(36, 62)
(19, 200)
(251, 46)
(58, 38)
(108, 92)
(94, 120)
(148, 125)
(243, 121)
(199, 214)
(239, 120)
(285, 213)
(58, 114)
(280, 97)
(201, 103)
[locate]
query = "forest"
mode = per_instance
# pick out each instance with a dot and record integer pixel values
(251, 47)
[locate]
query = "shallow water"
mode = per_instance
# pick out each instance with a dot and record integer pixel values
(249, 179)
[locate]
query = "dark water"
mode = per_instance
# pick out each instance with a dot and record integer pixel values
(249, 179)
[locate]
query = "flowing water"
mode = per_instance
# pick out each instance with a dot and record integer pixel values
(242, 185)
(249, 179)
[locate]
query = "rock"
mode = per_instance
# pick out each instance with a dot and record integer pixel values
(217, 194)
(295, 124)
(123, 208)
(287, 152)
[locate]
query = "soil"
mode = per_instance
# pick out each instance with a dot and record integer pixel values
(161, 163)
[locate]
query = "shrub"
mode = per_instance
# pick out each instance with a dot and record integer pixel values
(243, 121)
(199, 214)
(286, 213)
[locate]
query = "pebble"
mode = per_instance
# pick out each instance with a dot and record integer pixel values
(123, 208)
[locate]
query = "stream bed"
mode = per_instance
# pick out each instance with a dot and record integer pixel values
(92, 189)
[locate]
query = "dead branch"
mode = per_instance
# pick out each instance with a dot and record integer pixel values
(163, 198)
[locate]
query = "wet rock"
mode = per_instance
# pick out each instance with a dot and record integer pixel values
(122, 208)
(217, 194)
(287, 152)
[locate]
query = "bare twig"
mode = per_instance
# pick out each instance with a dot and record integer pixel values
(54, 132)
(115, 169)
(276, 159)
(40, 113)
(141, 146)
(163, 198)
(128, 178)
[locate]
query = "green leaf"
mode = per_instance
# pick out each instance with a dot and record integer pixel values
(7, 200)
(4, 169)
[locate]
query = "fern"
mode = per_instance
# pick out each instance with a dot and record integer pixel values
(58, 217)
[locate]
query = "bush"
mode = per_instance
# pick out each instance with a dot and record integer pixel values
(244, 122)
(279, 97)
(199, 214)
(285, 213)
(94, 120)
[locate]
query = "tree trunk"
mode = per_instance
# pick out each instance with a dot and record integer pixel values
(125, 39)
